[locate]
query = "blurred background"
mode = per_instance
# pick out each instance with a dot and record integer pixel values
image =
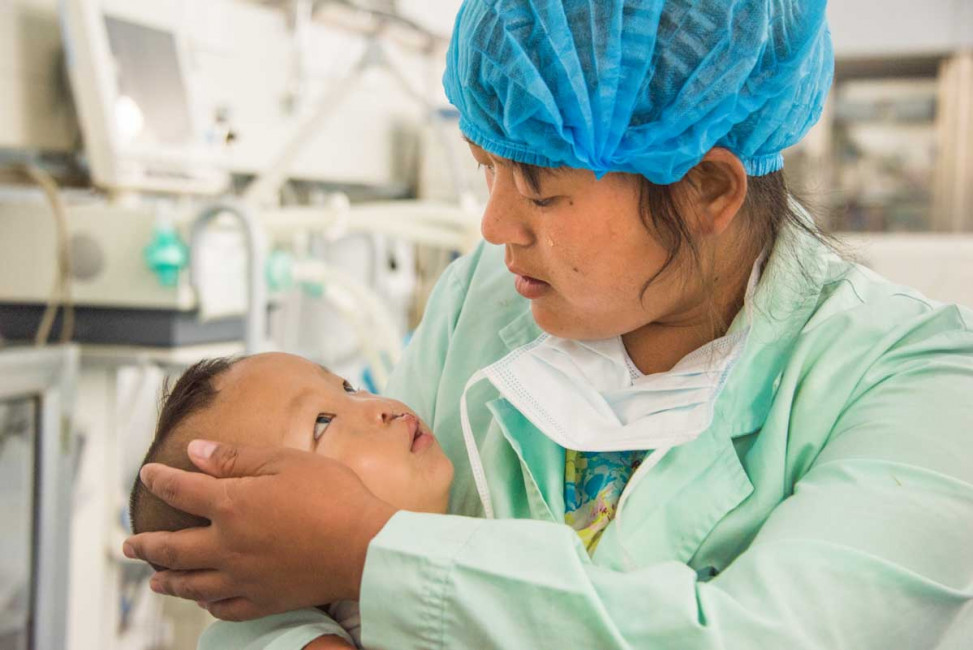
(182, 179)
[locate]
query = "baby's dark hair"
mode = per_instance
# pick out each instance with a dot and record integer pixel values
(192, 393)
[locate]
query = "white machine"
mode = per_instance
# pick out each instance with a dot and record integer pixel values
(36, 392)
(128, 69)
(152, 144)
(118, 298)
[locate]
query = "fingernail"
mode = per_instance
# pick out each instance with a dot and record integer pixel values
(155, 586)
(202, 449)
(128, 550)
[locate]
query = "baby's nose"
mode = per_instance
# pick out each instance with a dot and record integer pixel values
(387, 416)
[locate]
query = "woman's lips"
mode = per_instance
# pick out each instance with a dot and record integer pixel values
(530, 288)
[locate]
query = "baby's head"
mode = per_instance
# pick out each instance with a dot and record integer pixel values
(281, 400)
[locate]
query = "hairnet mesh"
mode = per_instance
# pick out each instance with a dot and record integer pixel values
(641, 86)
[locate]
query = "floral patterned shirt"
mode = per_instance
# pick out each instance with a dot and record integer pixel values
(593, 485)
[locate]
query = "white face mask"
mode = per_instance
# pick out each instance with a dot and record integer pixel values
(582, 396)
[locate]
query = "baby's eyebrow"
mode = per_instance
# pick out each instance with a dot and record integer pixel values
(329, 374)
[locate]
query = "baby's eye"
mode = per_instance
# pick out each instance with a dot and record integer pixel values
(321, 425)
(349, 388)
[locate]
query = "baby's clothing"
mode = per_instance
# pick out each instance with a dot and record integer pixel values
(347, 614)
(287, 631)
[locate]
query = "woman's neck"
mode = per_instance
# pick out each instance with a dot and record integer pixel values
(660, 345)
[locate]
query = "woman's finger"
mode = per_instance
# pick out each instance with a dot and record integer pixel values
(202, 586)
(236, 609)
(224, 460)
(190, 492)
(184, 550)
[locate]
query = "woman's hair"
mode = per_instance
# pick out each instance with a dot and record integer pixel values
(192, 393)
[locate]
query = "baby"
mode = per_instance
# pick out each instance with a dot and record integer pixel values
(283, 400)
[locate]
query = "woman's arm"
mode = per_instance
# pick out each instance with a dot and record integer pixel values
(873, 550)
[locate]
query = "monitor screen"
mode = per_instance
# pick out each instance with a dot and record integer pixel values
(152, 106)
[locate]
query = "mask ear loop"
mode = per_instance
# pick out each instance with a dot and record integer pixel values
(476, 463)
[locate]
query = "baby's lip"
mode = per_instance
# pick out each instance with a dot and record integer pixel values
(412, 427)
(416, 430)
(413, 423)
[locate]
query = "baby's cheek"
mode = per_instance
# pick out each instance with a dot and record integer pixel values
(383, 475)
(366, 466)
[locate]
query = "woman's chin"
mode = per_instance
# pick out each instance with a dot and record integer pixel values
(566, 325)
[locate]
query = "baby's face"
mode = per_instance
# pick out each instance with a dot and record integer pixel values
(281, 399)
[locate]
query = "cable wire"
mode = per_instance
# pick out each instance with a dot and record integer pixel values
(60, 295)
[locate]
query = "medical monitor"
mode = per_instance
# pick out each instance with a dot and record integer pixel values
(127, 60)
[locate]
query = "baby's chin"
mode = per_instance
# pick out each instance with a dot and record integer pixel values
(423, 497)
(437, 506)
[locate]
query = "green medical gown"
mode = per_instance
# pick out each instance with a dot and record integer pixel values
(829, 505)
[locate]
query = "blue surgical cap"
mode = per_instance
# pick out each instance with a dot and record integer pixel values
(639, 86)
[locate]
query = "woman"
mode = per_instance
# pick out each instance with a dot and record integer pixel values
(752, 442)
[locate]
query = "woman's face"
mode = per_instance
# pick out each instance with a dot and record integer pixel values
(580, 252)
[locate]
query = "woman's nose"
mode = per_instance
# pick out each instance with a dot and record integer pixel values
(504, 220)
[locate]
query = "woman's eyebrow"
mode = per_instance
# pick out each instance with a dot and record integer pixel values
(533, 174)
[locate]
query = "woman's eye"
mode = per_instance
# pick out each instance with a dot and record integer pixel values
(543, 203)
(321, 425)
(349, 388)
(482, 166)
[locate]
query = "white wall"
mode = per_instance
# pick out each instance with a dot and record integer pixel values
(873, 28)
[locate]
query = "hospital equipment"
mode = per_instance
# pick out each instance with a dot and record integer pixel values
(118, 298)
(255, 254)
(130, 252)
(36, 449)
(136, 102)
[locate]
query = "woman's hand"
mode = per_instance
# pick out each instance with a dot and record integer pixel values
(289, 529)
